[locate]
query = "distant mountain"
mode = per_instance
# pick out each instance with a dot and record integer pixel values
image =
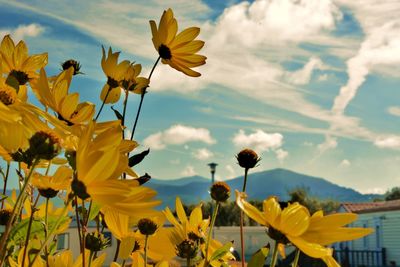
(259, 186)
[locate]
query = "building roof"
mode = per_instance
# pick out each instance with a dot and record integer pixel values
(368, 207)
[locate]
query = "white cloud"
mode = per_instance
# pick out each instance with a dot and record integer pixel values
(231, 171)
(323, 77)
(202, 154)
(374, 190)
(281, 154)
(392, 142)
(188, 171)
(260, 141)
(303, 75)
(178, 135)
(394, 111)
(23, 31)
(344, 163)
(329, 143)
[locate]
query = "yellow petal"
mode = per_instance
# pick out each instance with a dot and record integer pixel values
(68, 105)
(20, 55)
(180, 211)
(311, 249)
(126, 247)
(332, 221)
(185, 36)
(35, 62)
(330, 261)
(196, 217)
(249, 209)
(295, 220)
(330, 236)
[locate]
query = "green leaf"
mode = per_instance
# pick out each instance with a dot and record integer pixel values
(136, 159)
(20, 230)
(219, 253)
(3, 197)
(94, 210)
(13, 82)
(258, 258)
(117, 113)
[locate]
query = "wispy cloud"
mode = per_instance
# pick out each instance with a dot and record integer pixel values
(189, 171)
(259, 140)
(202, 154)
(23, 31)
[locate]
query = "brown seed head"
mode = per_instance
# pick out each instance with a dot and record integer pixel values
(44, 145)
(220, 191)
(147, 226)
(247, 158)
(5, 216)
(72, 63)
(187, 249)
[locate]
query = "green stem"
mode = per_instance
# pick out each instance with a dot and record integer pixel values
(117, 250)
(245, 179)
(145, 250)
(124, 111)
(46, 229)
(102, 104)
(5, 183)
(214, 216)
(46, 241)
(274, 259)
(16, 210)
(242, 238)
(188, 261)
(296, 258)
(90, 258)
(123, 263)
(81, 248)
(83, 234)
(33, 210)
(141, 99)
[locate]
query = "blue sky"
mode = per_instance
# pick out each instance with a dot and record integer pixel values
(311, 85)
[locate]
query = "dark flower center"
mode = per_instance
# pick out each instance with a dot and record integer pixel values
(48, 193)
(6, 98)
(112, 83)
(72, 63)
(278, 236)
(20, 76)
(79, 189)
(164, 52)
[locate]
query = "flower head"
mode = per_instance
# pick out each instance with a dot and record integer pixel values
(294, 224)
(131, 80)
(177, 50)
(247, 158)
(220, 191)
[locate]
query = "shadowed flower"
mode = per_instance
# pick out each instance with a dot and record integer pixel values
(294, 224)
(49, 185)
(17, 63)
(178, 51)
(115, 72)
(132, 82)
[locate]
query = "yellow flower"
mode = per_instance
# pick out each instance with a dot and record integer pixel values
(99, 164)
(214, 246)
(193, 228)
(54, 94)
(115, 73)
(49, 185)
(178, 51)
(294, 224)
(65, 259)
(132, 82)
(39, 262)
(17, 62)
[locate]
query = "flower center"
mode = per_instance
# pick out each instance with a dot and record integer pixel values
(72, 63)
(48, 193)
(79, 189)
(164, 52)
(20, 76)
(112, 83)
(7, 97)
(277, 235)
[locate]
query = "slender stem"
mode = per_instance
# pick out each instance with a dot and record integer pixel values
(88, 213)
(82, 250)
(145, 250)
(83, 234)
(123, 263)
(245, 179)
(102, 104)
(274, 259)
(5, 183)
(33, 210)
(141, 99)
(90, 258)
(117, 250)
(242, 220)
(46, 229)
(214, 216)
(296, 258)
(51, 232)
(242, 238)
(48, 168)
(16, 210)
(124, 111)
(188, 261)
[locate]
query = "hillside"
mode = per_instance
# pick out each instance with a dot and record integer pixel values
(260, 185)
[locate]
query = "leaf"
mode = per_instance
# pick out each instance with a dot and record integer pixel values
(2, 197)
(117, 113)
(219, 253)
(19, 231)
(136, 159)
(94, 210)
(258, 258)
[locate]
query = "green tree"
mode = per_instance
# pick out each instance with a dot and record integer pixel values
(392, 194)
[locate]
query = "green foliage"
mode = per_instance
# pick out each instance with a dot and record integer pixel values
(258, 258)
(302, 195)
(392, 194)
(219, 253)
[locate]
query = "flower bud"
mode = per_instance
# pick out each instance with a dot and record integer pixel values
(72, 63)
(187, 249)
(96, 242)
(147, 226)
(247, 158)
(220, 191)
(44, 145)
(48, 193)
(5, 216)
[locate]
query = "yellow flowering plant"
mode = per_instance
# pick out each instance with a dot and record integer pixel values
(74, 168)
